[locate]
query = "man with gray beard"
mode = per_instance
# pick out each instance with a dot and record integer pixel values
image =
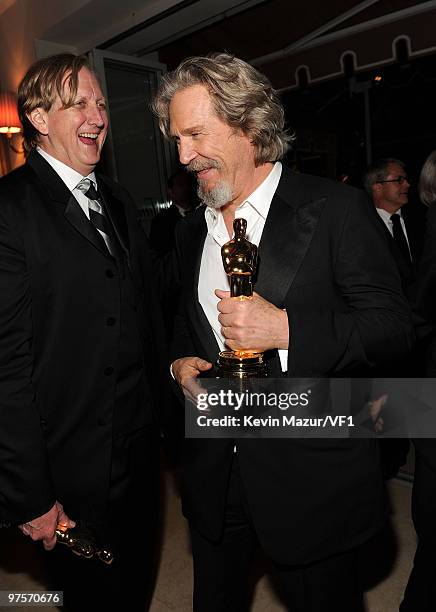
(328, 303)
(219, 194)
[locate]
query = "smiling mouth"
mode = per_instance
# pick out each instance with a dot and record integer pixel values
(204, 171)
(88, 138)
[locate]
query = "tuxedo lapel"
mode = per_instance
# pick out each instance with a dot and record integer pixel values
(75, 215)
(49, 181)
(415, 236)
(405, 266)
(54, 188)
(288, 231)
(193, 255)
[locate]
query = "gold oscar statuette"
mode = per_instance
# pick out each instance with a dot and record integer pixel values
(82, 543)
(239, 260)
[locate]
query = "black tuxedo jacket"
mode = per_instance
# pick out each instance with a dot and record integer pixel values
(60, 322)
(423, 292)
(162, 228)
(414, 220)
(323, 257)
(414, 214)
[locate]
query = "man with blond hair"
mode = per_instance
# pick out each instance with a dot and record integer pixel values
(78, 439)
(327, 302)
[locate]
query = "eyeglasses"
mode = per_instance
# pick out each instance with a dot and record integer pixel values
(400, 180)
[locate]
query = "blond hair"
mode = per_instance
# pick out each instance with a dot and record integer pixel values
(427, 180)
(45, 79)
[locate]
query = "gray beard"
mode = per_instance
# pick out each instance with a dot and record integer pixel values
(217, 197)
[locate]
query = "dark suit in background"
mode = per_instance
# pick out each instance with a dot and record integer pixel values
(388, 185)
(162, 230)
(421, 589)
(414, 220)
(182, 195)
(394, 451)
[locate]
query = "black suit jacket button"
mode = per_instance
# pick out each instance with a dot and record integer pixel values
(110, 321)
(108, 371)
(110, 273)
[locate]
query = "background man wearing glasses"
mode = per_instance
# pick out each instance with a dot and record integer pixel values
(388, 185)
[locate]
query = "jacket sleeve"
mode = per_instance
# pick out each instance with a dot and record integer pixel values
(182, 344)
(422, 294)
(25, 485)
(423, 290)
(370, 325)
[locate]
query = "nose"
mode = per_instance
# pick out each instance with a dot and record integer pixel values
(96, 116)
(186, 151)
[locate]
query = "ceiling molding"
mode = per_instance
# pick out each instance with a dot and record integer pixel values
(370, 24)
(308, 38)
(177, 24)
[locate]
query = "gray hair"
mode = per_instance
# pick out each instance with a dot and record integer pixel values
(427, 180)
(241, 96)
(379, 172)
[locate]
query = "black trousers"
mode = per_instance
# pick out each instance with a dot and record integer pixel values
(420, 595)
(221, 570)
(130, 529)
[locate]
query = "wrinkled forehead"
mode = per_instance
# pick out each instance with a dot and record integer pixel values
(192, 101)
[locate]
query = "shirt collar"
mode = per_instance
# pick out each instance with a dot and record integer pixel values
(70, 177)
(386, 216)
(261, 197)
(260, 200)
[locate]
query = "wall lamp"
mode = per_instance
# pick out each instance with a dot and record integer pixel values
(10, 123)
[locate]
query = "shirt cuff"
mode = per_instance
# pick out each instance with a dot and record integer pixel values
(283, 356)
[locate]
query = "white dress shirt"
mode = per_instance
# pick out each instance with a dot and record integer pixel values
(70, 177)
(212, 275)
(386, 217)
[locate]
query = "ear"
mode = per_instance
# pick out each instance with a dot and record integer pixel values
(39, 119)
